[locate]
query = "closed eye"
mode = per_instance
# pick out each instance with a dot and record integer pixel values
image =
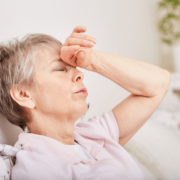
(59, 69)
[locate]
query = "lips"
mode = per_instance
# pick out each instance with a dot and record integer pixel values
(82, 90)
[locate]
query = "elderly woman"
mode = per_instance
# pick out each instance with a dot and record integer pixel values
(41, 89)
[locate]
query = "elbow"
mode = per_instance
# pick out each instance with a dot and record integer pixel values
(166, 80)
(164, 83)
(161, 86)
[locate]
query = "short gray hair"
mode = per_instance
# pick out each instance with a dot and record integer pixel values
(18, 61)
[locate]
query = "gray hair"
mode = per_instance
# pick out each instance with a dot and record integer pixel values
(18, 61)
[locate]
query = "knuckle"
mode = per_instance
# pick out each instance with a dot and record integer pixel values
(67, 38)
(72, 35)
(63, 49)
(69, 41)
(76, 35)
(83, 42)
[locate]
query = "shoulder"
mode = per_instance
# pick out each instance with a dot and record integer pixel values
(96, 121)
(38, 165)
(101, 126)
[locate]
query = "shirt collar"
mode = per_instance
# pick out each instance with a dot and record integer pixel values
(57, 148)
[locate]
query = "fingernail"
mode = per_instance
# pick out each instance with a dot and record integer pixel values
(76, 47)
(94, 40)
(90, 44)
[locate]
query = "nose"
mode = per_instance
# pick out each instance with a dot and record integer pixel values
(78, 75)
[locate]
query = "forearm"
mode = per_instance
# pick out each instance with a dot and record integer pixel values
(137, 77)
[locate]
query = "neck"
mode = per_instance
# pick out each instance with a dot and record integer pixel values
(59, 129)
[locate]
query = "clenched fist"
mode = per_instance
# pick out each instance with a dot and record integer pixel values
(77, 49)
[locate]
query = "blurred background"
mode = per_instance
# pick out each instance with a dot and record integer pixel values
(146, 30)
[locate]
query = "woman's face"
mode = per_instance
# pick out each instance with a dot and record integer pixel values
(57, 83)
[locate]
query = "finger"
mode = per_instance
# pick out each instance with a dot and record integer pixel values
(79, 29)
(80, 42)
(67, 53)
(82, 36)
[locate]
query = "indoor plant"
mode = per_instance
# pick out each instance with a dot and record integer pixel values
(169, 26)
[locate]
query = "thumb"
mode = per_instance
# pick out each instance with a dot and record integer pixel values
(79, 58)
(80, 54)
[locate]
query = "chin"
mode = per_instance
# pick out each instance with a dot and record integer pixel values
(86, 109)
(83, 108)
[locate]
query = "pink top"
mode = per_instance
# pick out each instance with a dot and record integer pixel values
(80, 151)
(45, 158)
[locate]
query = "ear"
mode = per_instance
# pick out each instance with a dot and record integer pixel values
(22, 97)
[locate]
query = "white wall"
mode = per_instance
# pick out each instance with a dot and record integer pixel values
(124, 27)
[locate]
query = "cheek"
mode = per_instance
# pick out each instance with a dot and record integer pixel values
(55, 95)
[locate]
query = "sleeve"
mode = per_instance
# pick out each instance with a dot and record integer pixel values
(98, 126)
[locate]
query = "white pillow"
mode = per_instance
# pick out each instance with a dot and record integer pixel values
(17, 145)
(7, 153)
(157, 147)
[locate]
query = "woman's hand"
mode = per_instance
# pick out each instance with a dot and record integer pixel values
(77, 49)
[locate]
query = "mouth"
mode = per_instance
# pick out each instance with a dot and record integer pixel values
(82, 91)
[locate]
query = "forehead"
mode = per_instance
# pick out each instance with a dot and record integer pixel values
(46, 56)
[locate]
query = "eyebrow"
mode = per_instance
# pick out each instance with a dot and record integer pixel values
(60, 60)
(56, 60)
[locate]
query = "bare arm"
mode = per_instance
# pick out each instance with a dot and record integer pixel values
(148, 84)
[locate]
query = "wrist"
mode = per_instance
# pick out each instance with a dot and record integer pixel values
(97, 59)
